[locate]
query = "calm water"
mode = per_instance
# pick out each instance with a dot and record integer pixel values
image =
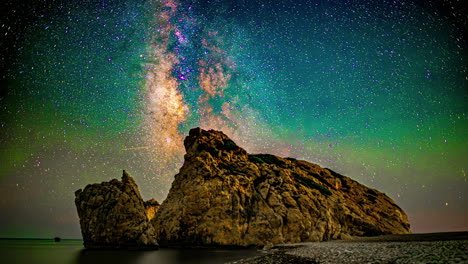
(72, 251)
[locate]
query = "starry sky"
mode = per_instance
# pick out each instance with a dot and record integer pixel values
(373, 89)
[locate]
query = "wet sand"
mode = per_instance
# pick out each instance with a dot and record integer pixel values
(414, 248)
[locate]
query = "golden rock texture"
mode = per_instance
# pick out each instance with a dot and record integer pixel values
(113, 215)
(225, 196)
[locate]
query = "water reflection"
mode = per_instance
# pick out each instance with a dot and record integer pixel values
(108, 256)
(167, 256)
(72, 252)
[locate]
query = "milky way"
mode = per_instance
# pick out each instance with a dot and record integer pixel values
(375, 90)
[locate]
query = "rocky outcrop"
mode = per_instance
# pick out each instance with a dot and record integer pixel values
(225, 196)
(113, 215)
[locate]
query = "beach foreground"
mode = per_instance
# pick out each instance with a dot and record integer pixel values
(414, 248)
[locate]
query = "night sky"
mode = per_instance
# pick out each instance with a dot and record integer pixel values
(373, 89)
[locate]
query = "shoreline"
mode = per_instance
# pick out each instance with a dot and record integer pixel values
(449, 247)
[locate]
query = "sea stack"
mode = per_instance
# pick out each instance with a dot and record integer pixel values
(224, 196)
(113, 215)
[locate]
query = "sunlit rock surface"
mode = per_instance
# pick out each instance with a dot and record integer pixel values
(225, 196)
(113, 215)
(151, 207)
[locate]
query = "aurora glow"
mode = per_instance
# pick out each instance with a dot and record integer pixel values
(375, 90)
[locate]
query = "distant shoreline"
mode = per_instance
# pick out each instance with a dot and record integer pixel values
(437, 236)
(42, 239)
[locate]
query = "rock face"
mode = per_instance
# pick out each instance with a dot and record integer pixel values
(225, 196)
(151, 207)
(113, 215)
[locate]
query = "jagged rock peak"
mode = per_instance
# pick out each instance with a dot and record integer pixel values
(113, 215)
(225, 196)
(211, 141)
(127, 179)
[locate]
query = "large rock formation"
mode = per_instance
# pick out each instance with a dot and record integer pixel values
(225, 196)
(113, 215)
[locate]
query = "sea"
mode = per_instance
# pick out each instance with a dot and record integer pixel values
(47, 251)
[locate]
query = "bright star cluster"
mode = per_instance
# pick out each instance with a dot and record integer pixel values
(375, 90)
